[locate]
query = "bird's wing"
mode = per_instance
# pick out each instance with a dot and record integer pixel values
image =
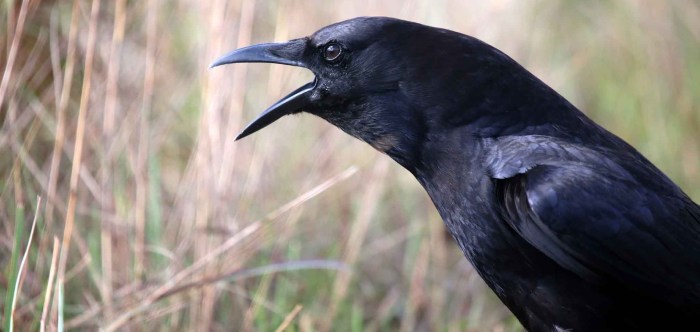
(595, 218)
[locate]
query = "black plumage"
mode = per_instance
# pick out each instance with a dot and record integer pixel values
(570, 226)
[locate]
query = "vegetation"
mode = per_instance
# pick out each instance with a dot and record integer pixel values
(118, 145)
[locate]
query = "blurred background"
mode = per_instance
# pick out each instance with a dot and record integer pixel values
(127, 205)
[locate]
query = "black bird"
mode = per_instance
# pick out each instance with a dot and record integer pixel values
(570, 226)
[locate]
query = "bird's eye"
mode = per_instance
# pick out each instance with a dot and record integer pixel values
(332, 52)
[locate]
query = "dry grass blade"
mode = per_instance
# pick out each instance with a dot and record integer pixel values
(63, 102)
(416, 296)
(78, 149)
(144, 140)
(172, 282)
(9, 66)
(311, 193)
(49, 284)
(106, 178)
(357, 236)
(231, 242)
(263, 270)
(289, 318)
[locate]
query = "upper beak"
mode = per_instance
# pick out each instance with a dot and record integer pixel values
(290, 53)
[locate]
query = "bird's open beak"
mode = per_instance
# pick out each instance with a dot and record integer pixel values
(290, 53)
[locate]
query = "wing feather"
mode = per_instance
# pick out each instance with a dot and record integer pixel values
(598, 220)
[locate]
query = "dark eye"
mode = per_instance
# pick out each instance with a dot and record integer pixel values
(332, 52)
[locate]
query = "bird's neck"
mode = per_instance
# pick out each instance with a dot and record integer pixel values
(391, 125)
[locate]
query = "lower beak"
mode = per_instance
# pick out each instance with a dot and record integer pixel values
(290, 53)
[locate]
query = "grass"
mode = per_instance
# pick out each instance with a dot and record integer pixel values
(153, 218)
(10, 294)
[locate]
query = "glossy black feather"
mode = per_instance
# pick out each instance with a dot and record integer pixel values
(592, 216)
(570, 226)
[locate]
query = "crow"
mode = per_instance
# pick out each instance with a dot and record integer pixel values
(570, 226)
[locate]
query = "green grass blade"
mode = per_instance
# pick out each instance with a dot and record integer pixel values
(14, 267)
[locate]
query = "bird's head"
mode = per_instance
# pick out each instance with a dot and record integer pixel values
(383, 80)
